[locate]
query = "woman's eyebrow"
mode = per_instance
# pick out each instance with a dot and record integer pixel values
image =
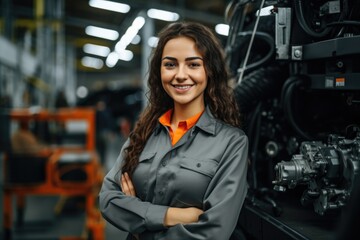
(186, 59)
(169, 58)
(193, 58)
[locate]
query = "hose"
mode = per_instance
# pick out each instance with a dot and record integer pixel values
(259, 85)
(299, 11)
(287, 104)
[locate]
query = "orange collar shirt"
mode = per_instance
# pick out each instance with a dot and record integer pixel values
(182, 128)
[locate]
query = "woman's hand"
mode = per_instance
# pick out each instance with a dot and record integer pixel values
(127, 185)
(181, 216)
(129, 190)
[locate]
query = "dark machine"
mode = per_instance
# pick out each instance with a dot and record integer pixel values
(297, 74)
(329, 170)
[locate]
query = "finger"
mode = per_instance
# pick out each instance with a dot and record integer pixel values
(130, 185)
(124, 185)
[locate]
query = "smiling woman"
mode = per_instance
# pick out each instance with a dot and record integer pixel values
(183, 77)
(182, 172)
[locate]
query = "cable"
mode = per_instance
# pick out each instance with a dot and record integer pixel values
(344, 23)
(235, 24)
(255, 140)
(270, 41)
(242, 70)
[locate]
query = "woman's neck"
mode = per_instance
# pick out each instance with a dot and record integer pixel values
(182, 113)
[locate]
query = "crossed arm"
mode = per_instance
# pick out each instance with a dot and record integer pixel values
(173, 215)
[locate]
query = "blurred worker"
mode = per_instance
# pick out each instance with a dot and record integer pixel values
(125, 129)
(23, 141)
(105, 127)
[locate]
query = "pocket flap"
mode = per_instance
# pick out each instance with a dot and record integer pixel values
(146, 156)
(207, 167)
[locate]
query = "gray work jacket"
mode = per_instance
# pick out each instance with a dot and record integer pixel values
(206, 168)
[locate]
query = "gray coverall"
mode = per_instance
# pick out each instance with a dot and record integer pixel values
(206, 168)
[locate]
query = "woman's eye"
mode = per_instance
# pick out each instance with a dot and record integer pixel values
(169, 64)
(194, 65)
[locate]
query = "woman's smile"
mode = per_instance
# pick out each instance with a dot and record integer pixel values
(182, 88)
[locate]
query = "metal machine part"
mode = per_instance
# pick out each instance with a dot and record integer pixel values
(329, 171)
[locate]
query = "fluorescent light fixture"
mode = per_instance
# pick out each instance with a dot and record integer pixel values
(136, 40)
(124, 55)
(99, 50)
(126, 39)
(101, 32)
(222, 29)
(153, 41)
(109, 5)
(163, 15)
(130, 34)
(138, 22)
(92, 62)
(112, 59)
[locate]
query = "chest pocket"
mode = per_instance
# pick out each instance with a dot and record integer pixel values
(205, 167)
(145, 156)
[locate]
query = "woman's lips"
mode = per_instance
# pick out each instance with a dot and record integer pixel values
(182, 88)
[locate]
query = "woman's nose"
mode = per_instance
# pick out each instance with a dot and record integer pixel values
(181, 73)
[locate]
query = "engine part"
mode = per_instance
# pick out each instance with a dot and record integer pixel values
(329, 171)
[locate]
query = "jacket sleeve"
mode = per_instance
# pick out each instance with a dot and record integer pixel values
(223, 199)
(127, 213)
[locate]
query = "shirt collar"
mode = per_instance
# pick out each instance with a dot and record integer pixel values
(206, 122)
(165, 119)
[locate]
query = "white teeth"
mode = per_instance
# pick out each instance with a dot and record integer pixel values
(182, 87)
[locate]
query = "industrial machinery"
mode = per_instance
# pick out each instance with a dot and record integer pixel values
(297, 86)
(329, 170)
(68, 167)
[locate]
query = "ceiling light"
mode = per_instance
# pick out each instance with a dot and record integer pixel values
(138, 22)
(92, 62)
(109, 5)
(102, 32)
(130, 34)
(96, 50)
(222, 29)
(82, 91)
(136, 40)
(153, 41)
(163, 15)
(113, 57)
(126, 55)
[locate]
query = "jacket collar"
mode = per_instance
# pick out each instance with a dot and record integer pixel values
(207, 122)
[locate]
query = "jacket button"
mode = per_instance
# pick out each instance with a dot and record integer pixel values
(198, 165)
(163, 163)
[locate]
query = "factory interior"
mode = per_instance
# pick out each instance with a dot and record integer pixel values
(73, 81)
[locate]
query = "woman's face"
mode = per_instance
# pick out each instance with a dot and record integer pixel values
(183, 73)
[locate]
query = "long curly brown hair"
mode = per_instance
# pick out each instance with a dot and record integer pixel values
(218, 93)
